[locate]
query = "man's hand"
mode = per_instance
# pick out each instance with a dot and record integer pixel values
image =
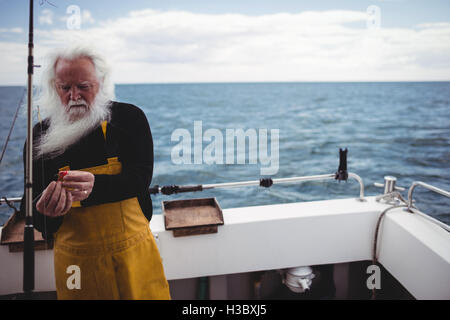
(55, 200)
(79, 183)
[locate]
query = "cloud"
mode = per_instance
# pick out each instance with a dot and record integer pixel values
(86, 17)
(13, 64)
(46, 17)
(11, 30)
(336, 45)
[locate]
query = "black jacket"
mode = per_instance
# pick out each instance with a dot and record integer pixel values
(128, 137)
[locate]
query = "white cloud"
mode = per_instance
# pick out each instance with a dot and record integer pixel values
(13, 64)
(86, 17)
(16, 30)
(178, 46)
(46, 17)
(11, 30)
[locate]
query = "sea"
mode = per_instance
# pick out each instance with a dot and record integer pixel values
(399, 129)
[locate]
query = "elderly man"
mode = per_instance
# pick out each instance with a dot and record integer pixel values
(92, 167)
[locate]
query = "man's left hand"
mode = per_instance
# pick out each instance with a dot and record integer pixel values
(79, 184)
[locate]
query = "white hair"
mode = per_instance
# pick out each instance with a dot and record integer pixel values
(64, 132)
(47, 91)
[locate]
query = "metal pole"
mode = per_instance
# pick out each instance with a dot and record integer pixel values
(275, 181)
(426, 186)
(288, 180)
(28, 250)
(252, 183)
(15, 199)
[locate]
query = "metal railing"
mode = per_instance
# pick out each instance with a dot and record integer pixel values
(414, 210)
(14, 199)
(179, 189)
(426, 186)
(289, 180)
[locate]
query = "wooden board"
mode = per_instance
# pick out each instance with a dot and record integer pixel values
(192, 216)
(12, 235)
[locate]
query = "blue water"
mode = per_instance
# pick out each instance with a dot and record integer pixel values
(399, 129)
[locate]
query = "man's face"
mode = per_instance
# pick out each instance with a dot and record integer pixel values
(76, 84)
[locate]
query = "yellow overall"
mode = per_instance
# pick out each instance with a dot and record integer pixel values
(112, 248)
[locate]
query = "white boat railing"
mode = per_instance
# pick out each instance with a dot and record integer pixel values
(427, 186)
(178, 189)
(5, 200)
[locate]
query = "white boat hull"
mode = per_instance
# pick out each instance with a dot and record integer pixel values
(414, 250)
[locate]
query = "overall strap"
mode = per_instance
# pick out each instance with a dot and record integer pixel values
(110, 146)
(104, 125)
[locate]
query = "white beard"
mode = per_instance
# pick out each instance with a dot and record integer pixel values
(69, 124)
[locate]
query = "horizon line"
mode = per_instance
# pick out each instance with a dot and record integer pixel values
(261, 82)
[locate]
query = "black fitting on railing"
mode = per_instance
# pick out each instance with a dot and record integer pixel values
(342, 173)
(154, 189)
(190, 188)
(266, 182)
(167, 190)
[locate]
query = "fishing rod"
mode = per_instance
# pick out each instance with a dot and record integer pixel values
(28, 249)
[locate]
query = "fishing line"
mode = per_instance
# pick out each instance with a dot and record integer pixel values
(12, 125)
(42, 175)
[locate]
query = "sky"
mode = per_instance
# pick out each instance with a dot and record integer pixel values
(179, 41)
